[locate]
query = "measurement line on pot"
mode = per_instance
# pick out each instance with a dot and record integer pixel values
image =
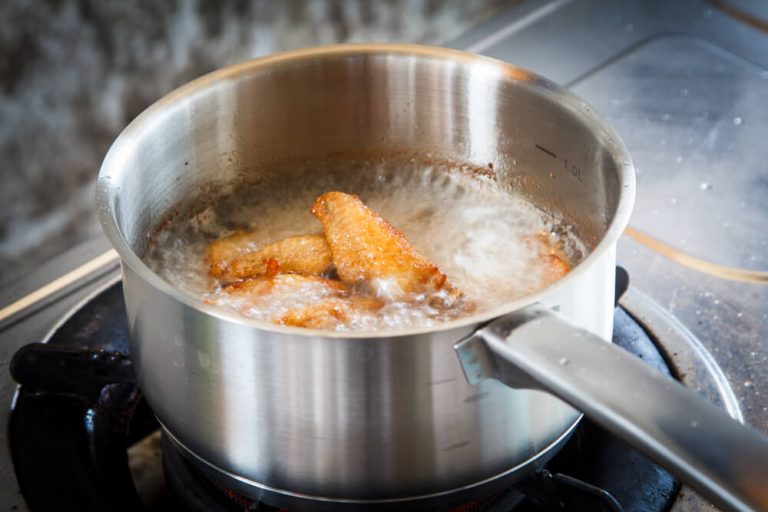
(545, 150)
(572, 169)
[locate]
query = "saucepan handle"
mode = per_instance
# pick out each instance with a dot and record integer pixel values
(537, 348)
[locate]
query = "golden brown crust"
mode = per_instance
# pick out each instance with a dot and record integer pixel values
(365, 247)
(552, 258)
(556, 268)
(304, 254)
(221, 252)
(284, 284)
(330, 313)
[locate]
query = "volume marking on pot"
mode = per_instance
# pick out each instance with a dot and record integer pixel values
(477, 397)
(456, 446)
(441, 381)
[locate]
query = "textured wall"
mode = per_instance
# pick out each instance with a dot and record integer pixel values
(74, 73)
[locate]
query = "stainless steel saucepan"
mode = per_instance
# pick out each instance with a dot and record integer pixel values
(321, 420)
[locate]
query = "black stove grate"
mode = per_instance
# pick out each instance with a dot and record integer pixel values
(197, 492)
(69, 435)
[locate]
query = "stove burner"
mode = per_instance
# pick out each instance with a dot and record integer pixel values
(199, 493)
(69, 437)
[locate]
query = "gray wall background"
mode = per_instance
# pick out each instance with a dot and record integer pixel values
(73, 73)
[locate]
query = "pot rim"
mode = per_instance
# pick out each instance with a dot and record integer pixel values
(114, 166)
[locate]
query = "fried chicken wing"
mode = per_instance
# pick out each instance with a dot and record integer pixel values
(553, 259)
(267, 297)
(367, 249)
(292, 299)
(329, 313)
(557, 267)
(313, 287)
(220, 253)
(305, 254)
(281, 282)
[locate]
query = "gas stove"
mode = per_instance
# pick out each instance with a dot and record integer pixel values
(81, 437)
(684, 83)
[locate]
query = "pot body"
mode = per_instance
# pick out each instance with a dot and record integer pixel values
(348, 418)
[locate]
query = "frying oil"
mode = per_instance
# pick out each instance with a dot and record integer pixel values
(477, 232)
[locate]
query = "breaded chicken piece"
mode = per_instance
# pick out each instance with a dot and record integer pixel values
(553, 259)
(329, 313)
(301, 301)
(557, 267)
(220, 253)
(268, 297)
(286, 285)
(367, 249)
(305, 254)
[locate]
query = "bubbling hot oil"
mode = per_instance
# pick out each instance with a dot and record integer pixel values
(477, 232)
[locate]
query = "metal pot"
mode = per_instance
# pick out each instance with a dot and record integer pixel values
(321, 420)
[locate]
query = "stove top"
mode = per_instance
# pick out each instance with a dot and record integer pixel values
(685, 84)
(81, 437)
